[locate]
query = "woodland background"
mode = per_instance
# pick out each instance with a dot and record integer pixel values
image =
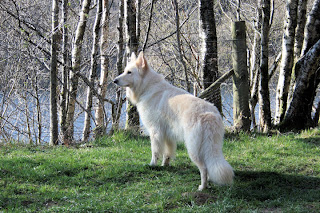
(58, 59)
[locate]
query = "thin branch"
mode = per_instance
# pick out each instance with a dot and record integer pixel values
(26, 23)
(171, 34)
(180, 46)
(275, 65)
(271, 13)
(149, 25)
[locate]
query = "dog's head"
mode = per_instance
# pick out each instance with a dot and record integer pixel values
(134, 72)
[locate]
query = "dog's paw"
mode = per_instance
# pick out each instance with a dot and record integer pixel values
(201, 187)
(152, 164)
(166, 162)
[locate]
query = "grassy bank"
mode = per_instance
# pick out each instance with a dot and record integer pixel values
(279, 173)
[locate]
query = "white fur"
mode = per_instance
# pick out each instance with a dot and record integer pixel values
(171, 115)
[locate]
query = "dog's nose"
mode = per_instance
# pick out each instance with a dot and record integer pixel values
(115, 81)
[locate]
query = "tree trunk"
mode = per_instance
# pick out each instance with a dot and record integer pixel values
(39, 114)
(93, 72)
(238, 10)
(100, 112)
(264, 98)
(307, 75)
(287, 60)
(301, 23)
(138, 12)
(209, 50)
(241, 112)
(76, 60)
(312, 30)
(132, 123)
(299, 37)
(298, 115)
(254, 69)
(65, 72)
(53, 74)
(116, 110)
(317, 115)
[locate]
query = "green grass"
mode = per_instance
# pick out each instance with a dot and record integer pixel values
(279, 173)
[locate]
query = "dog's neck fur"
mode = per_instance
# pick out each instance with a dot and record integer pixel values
(150, 78)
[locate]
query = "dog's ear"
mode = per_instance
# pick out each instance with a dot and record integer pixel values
(141, 63)
(133, 57)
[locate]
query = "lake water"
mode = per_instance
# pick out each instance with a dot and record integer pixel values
(15, 119)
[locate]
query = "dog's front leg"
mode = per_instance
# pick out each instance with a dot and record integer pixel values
(156, 148)
(169, 152)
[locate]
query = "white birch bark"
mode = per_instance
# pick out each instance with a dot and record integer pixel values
(307, 75)
(254, 69)
(301, 23)
(93, 72)
(286, 60)
(312, 32)
(298, 115)
(102, 89)
(76, 60)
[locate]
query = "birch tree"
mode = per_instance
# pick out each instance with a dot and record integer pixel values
(301, 23)
(102, 87)
(209, 50)
(64, 72)
(264, 97)
(298, 115)
(132, 122)
(286, 60)
(116, 108)
(76, 62)
(92, 72)
(312, 32)
(255, 63)
(307, 76)
(53, 74)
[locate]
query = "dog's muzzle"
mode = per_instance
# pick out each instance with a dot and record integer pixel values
(115, 81)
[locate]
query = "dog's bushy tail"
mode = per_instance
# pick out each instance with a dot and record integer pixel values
(219, 171)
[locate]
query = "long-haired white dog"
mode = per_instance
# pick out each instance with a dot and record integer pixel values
(170, 115)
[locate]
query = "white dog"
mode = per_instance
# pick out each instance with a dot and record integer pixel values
(171, 115)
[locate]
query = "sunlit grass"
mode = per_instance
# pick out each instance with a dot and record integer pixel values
(278, 173)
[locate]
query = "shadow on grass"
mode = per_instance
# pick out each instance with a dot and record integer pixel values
(264, 186)
(311, 141)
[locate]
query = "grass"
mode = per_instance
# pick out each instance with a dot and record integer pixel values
(279, 173)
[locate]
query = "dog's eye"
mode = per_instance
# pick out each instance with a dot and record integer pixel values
(129, 72)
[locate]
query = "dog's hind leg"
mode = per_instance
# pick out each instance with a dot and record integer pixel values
(203, 172)
(204, 176)
(193, 144)
(157, 146)
(169, 152)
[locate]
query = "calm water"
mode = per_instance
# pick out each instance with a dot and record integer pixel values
(15, 117)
